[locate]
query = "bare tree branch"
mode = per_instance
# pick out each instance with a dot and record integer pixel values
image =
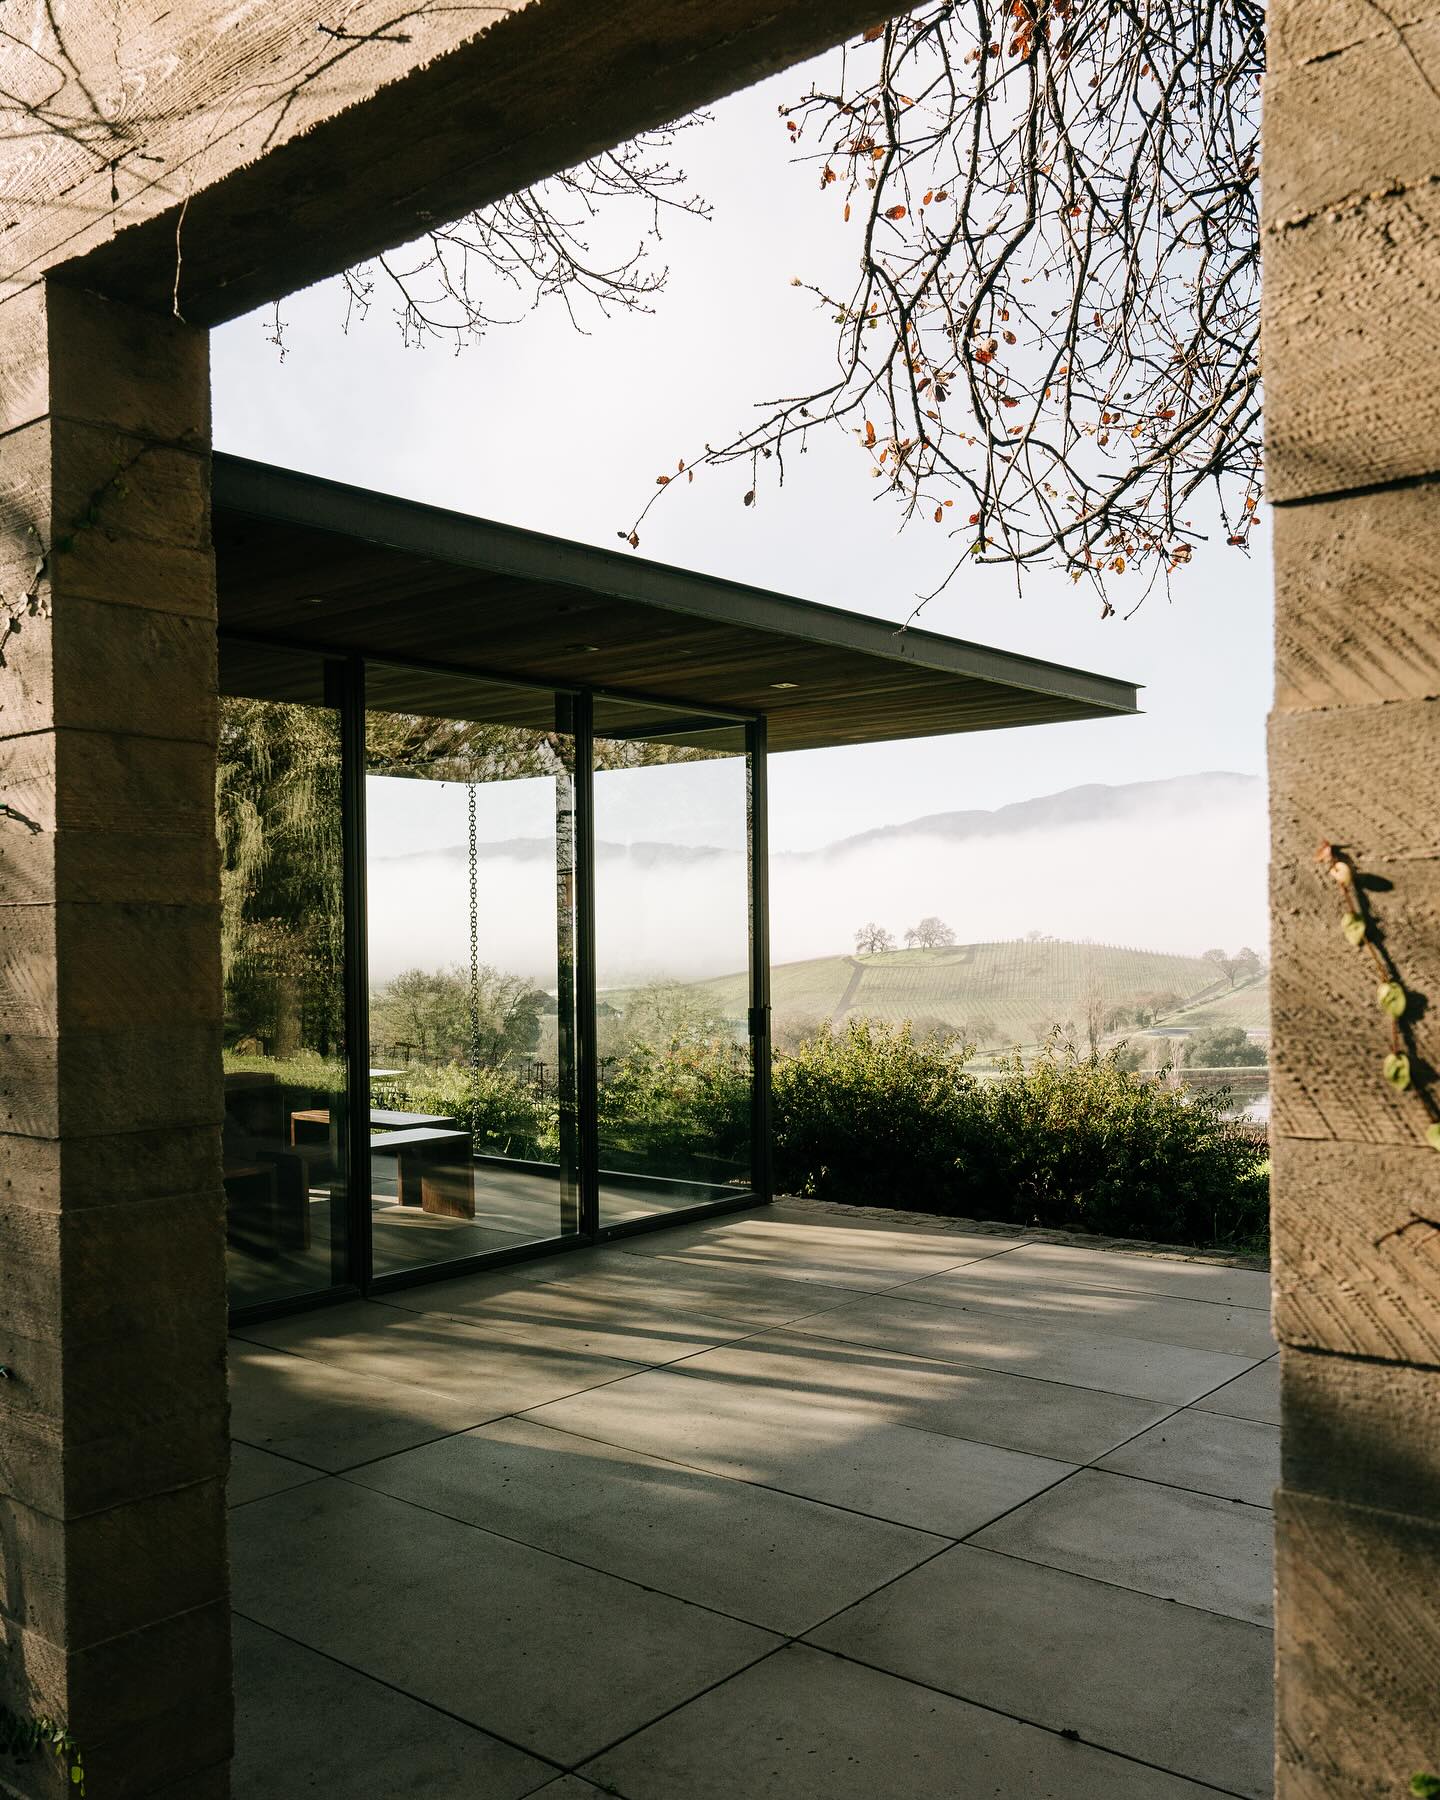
(1051, 346)
(499, 263)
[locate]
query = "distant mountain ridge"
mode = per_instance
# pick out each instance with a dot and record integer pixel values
(1094, 803)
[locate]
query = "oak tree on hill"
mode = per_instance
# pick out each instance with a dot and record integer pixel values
(930, 934)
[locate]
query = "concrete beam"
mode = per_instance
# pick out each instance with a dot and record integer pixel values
(215, 161)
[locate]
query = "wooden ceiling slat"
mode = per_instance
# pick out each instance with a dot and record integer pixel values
(339, 569)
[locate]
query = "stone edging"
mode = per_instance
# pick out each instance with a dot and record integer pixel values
(1038, 1234)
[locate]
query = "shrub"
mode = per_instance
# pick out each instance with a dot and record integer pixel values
(682, 1109)
(1075, 1142)
(1224, 1047)
(874, 1116)
(869, 1114)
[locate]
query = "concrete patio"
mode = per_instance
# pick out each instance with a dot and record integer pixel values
(805, 1503)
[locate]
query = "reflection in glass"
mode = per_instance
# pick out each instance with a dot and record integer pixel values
(470, 805)
(672, 954)
(278, 805)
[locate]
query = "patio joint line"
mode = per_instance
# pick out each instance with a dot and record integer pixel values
(312, 1476)
(771, 1487)
(313, 1467)
(1129, 1337)
(1107, 1293)
(523, 1414)
(971, 1362)
(761, 1331)
(947, 1542)
(1119, 1586)
(944, 1542)
(1093, 1462)
(1090, 1466)
(1059, 1731)
(405, 1693)
(1073, 1387)
(1179, 1487)
(679, 1706)
(697, 1318)
(800, 1280)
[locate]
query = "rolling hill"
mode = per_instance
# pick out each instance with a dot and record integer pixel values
(1001, 993)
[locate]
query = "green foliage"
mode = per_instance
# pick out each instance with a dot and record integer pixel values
(428, 1012)
(682, 1108)
(870, 1115)
(877, 1115)
(305, 1070)
(670, 1014)
(282, 926)
(21, 1737)
(1425, 1787)
(504, 1113)
(1224, 1047)
(1075, 1142)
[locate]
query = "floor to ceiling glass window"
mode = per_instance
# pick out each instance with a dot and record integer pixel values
(284, 1143)
(470, 799)
(493, 957)
(673, 946)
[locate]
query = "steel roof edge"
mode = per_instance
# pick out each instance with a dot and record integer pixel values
(286, 496)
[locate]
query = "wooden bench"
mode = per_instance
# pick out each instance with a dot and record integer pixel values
(434, 1169)
(311, 1124)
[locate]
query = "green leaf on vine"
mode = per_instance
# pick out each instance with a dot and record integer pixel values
(1390, 998)
(1353, 925)
(1397, 1070)
(1432, 1136)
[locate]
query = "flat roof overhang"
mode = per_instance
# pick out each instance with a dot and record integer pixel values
(320, 565)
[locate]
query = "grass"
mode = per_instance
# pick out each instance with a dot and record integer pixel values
(1018, 986)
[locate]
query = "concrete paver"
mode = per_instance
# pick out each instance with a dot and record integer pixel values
(800, 1502)
(1234, 1459)
(1166, 1541)
(1169, 1684)
(807, 1726)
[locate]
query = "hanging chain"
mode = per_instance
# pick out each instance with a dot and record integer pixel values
(475, 1045)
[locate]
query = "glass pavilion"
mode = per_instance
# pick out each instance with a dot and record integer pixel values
(492, 818)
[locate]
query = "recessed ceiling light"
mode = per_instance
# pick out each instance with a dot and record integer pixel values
(784, 684)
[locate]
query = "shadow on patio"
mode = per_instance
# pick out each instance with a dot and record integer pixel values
(797, 1503)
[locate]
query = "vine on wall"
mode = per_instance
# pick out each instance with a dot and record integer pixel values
(21, 1737)
(1402, 1066)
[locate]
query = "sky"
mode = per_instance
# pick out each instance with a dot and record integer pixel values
(540, 426)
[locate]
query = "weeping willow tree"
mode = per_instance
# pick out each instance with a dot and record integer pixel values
(282, 925)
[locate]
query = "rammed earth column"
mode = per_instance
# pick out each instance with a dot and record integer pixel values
(1352, 370)
(113, 1581)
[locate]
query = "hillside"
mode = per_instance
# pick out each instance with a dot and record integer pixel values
(1128, 803)
(1000, 993)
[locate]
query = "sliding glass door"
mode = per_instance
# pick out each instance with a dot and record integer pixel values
(285, 1141)
(470, 798)
(494, 967)
(673, 970)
